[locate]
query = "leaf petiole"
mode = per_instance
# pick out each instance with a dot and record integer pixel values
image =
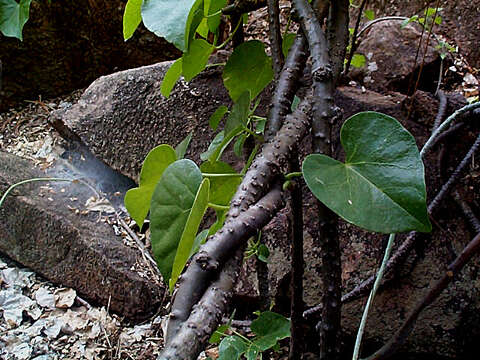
(293, 174)
(218, 207)
(221, 175)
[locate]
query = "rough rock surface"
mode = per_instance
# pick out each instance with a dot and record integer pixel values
(39, 229)
(68, 44)
(390, 57)
(123, 144)
(460, 25)
(129, 108)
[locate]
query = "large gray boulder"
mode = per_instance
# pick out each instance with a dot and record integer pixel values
(50, 230)
(122, 116)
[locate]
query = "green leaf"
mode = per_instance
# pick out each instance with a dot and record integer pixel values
(248, 68)
(195, 60)
(381, 186)
(214, 21)
(231, 348)
(181, 148)
(269, 327)
(13, 17)
(252, 353)
(239, 115)
(218, 334)
(186, 242)
(369, 14)
(137, 200)
(132, 17)
(238, 146)
(202, 29)
(171, 77)
(169, 19)
(222, 188)
(409, 20)
(358, 60)
(212, 148)
(172, 202)
(194, 19)
(287, 42)
(217, 116)
(263, 253)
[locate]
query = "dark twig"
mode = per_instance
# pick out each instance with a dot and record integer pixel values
(453, 269)
(296, 280)
(442, 107)
(444, 135)
(287, 85)
(275, 36)
(338, 35)
(243, 6)
(353, 43)
(467, 211)
(455, 175)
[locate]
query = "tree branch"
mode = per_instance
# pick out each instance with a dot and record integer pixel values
(208, 313)
(243, 6)
(275, 36)
(287, 85)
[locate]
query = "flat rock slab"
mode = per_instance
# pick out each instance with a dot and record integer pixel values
(38, 230)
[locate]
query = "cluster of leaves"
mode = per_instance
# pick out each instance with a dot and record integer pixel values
(382, 167)
(269, 328)
(13, 16)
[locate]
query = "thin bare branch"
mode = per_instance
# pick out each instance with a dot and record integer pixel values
(287, 85)
(275, 36)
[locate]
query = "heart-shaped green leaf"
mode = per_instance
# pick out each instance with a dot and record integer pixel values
(381, 185)
(269, 328)
(132, 17)
(137, 200)
(172, 203)
(13, 16)
(248, 68)
(231, 348)
(186, 242)
(169, 19)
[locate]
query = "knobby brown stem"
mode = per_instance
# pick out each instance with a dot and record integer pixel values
(324, 75)
(287, 85)
(275, 36)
